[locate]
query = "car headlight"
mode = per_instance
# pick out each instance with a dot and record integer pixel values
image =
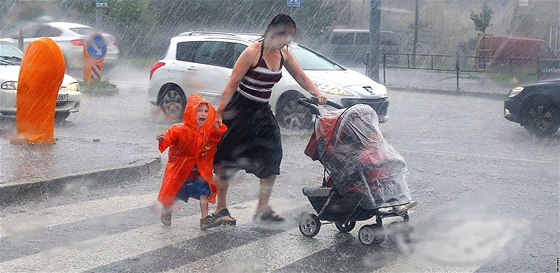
(383, 90)
(323, 87)
(515, 91)
(73, 87)
(9, 85)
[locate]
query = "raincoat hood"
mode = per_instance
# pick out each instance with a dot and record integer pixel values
(189, 117)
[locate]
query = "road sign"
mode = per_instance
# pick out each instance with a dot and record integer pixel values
(101, 3)
(96, 46)
(294, 3)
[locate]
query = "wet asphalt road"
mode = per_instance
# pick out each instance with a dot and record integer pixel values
(488, 198)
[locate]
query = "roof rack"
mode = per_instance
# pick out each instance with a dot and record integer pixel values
(193, 33)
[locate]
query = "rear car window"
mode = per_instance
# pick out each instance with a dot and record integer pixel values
(186, 51)
(82, 30)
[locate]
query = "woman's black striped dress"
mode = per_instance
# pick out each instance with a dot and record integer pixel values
(252, 142)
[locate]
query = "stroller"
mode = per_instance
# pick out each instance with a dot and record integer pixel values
(364, 175)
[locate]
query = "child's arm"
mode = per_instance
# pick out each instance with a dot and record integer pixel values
(165, 140)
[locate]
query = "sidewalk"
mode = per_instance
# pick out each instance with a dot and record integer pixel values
(443, 82)
(28, 171)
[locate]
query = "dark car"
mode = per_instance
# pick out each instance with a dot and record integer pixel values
(535, 106)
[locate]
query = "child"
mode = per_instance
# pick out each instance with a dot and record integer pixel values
(192, 146)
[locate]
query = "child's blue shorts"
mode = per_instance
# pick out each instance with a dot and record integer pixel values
(194, 187)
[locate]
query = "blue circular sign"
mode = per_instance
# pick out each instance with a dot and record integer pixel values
(96, 47)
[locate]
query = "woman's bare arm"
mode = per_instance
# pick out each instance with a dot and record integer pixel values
(242, 65)
(301, 78)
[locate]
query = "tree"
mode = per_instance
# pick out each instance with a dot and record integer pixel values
(482, 20)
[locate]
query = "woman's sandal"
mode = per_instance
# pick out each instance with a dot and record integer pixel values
(269, 216)
(224, 217)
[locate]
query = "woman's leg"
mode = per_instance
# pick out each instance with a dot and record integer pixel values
(203, 206)
(223, 185)
(264, 211)
(222, 214)
(265, 192)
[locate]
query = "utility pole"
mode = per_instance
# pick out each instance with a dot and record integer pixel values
(416, 26)
(374, 37)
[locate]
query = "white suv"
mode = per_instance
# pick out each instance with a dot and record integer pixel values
(201, 62)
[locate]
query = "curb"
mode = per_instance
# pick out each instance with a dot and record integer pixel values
(495, 96)
(37, 189)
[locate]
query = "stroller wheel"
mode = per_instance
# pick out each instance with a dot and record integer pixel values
(345, 226)
(309, 225)
(371, 235)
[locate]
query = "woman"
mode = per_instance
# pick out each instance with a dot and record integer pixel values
(253, 140)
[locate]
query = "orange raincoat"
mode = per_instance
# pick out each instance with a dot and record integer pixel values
(190, 146)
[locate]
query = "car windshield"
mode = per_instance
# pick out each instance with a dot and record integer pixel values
(310, 60)
(10, 54)
(82, 30)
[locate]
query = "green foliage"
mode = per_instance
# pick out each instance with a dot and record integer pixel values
(482, 20)
(103, 84)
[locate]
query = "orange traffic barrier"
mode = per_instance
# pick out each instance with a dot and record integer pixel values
(40, 77)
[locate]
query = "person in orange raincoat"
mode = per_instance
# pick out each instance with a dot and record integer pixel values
(192, 146)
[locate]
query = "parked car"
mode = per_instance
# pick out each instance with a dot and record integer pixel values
(70, 37)
(69, 96)
(504, 51)
(535, 106)
(202, 62)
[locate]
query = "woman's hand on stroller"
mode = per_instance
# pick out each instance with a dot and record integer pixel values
(321, 99)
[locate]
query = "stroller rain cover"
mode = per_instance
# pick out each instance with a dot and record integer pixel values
(363, 166)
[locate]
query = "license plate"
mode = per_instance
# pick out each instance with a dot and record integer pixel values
(62, 97)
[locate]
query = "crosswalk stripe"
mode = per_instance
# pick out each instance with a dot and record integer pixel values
(59, 215)
(414, 264)
(265, 255)
(100, 251)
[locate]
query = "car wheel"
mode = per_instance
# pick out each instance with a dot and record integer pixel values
(539, 118)
(290, 114)
(172, 101)
(60, 116)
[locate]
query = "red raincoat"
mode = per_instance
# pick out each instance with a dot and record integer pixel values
(190, 146)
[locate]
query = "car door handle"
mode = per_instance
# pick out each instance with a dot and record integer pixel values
(192, 67)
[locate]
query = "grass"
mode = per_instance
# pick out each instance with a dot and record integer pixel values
(509, 77)
(104, 84)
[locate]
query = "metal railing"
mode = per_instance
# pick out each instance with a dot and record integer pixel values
(459, 63)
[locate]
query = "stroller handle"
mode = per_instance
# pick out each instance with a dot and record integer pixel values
(312, 104)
